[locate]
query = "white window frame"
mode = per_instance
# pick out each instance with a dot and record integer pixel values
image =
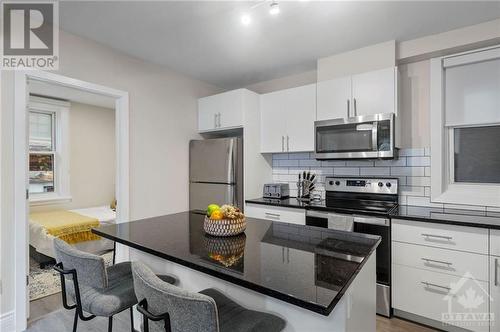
(443, 187)
(60, 109)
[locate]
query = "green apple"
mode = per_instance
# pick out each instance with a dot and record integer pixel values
(211, 208)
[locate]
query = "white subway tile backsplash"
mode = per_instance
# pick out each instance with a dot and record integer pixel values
(299, 155)
(277, 156)
(360, 163)
(332, 163)
(288, 163)
(423, 181)
(427, 171)
(418, 161)
(346, 171)
(383, 171)
(411, 191)
(309, 162)
(393, 162)
(412, 152)
(407, 171)
(412, 169)
(422, 201)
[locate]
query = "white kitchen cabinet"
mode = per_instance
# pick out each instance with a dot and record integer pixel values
(495, 242)
(495, 290)
(374, 92)
(287, 120)
(273, 125)
(221, 111)
(274, 213)
(333, 99)
(367, 93)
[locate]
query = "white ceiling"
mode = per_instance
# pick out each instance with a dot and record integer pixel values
(206, 39)
(70, 94)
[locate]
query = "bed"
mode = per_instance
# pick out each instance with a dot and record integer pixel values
(41, 243)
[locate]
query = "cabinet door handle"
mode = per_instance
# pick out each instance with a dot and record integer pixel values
(355, 107)
(215, 120)
(438, 236)
(272, 215)
(429, 284)
(428, 260)
(348, 108)
(219, 120)
(288, 255)
(283, 254)
(496, 271)
(287, 143)
(282, 143)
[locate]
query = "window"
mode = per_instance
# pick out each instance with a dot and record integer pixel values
(48, 156)
(42, 152)
(465, 128)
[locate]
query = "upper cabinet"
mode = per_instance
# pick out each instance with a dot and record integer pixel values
(221, 111)
(334, 98)
(287, 120)
(362, 94)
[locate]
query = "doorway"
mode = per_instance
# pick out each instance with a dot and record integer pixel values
(26, 83)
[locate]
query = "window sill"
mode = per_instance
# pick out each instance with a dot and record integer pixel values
(49, 199)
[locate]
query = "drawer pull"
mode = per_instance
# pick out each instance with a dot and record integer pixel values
(428, 260)
(429, 284)
(272, 215)
(438, 236)
(496, 271)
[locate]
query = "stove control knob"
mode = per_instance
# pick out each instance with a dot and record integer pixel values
(388, 184)
(337, 183)
(330, 183)
(380, 184)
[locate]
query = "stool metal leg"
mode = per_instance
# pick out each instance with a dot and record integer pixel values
(75, 322)
(110, 324)
(132, 319)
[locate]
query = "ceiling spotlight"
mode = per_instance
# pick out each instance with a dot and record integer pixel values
(275, 8)
(246, 19)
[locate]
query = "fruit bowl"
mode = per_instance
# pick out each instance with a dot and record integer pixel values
(224, 227)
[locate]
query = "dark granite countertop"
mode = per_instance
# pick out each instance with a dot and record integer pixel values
(302, 265)
(448, 216)
(459, 217)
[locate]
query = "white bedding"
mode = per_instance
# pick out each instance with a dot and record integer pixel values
(43, 242)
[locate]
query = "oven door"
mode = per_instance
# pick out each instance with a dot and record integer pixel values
(343, 222)
(368, 136)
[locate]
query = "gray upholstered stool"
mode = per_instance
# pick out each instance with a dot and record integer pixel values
(171, 308)
(93, 287)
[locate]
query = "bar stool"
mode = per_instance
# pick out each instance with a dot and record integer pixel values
(94, 288)
(171, 308)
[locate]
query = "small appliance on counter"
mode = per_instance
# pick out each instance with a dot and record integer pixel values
(276, 190)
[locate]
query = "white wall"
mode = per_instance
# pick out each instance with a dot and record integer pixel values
(92, 158)
(163, 118)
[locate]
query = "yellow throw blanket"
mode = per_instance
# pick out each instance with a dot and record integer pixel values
(66, 225)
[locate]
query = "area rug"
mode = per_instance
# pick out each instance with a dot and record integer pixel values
(46, 281)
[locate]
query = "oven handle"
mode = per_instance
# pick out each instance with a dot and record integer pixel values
(321, 214)
(372, 221)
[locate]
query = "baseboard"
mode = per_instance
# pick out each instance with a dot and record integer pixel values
(7, 322)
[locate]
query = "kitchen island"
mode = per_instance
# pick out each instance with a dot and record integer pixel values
(315, 279)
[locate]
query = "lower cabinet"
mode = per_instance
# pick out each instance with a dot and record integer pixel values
(495, 292)
(288, 215)
(442, 275)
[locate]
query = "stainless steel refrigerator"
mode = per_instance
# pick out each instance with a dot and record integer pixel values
(215, 172)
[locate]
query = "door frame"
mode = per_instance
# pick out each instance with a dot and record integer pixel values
(21, 174)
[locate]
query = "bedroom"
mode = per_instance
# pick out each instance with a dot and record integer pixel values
(72, 172)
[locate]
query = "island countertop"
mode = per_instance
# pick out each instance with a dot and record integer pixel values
(305, 266)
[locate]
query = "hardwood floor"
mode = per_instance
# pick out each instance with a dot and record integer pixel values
(399, 325)
(46, 305)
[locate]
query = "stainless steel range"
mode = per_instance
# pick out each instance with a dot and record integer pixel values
(362, 205)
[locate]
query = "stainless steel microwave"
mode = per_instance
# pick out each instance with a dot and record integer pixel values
(360, 137)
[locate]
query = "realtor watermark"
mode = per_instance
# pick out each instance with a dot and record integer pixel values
(30, 35)
(468, 303)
